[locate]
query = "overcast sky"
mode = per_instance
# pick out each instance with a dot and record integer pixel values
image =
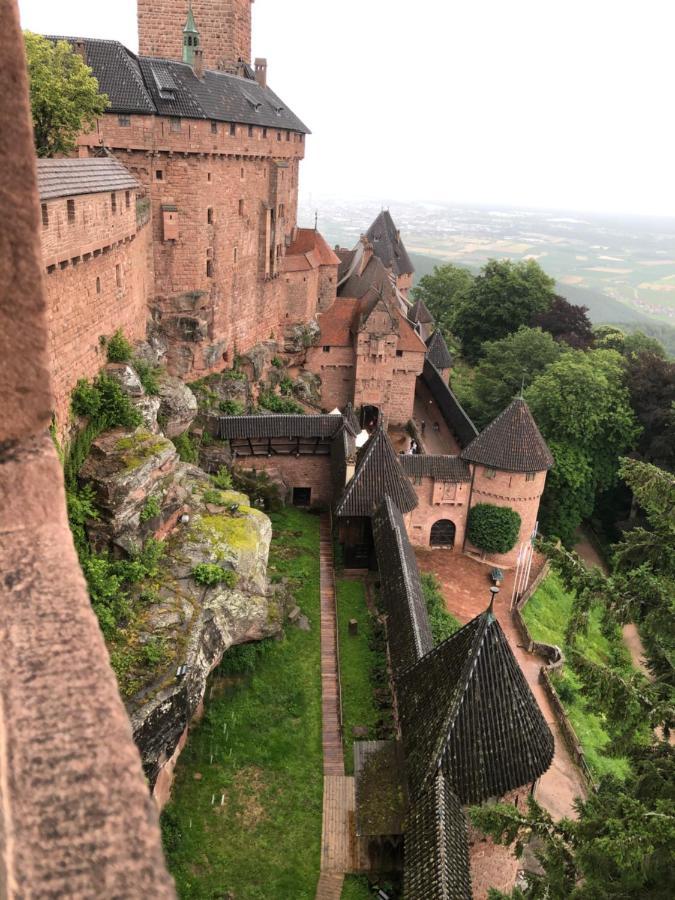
(550, 103)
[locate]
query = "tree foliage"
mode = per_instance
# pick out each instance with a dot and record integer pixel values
(64, 94)
(441, 292)
(493, 529)
(583, 409)
(504, 296)
(651, 385)
(567, 323)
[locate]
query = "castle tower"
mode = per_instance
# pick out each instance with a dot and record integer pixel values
(510, 460)
(190, 38)
(224, 30)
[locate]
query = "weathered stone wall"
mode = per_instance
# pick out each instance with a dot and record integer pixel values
(438, 500)
(302, 290)
(336, 368)
(304, 471)
(97, 280)
(224, 28)
(514, 490)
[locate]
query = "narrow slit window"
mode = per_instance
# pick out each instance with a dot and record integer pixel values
(45, 215)
(118, 275)
(233, 129)
(113, 203)
(71, 211)
(127, 199)
(209, 216)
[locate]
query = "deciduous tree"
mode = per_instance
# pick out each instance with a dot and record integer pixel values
(567, 323)
(440, 292)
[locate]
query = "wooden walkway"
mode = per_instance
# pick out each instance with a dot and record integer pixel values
(337, 833)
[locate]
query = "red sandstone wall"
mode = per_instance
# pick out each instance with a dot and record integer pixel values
(336, 370)
(304, 471)
(302, 289)
(224, 29)
(438, 500)
(387, 380)
(509, 489)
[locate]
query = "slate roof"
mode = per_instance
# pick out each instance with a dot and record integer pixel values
(72, 177)
(467, 708)
(511, 442)
(437, 351)
(420, 314)
(440, 468)
(377, 473)
(388, 246)
(408, 631)
(150, 86)
(282, 426)
(436, 855)
(373, 281)
(451, 409)
(351, 418)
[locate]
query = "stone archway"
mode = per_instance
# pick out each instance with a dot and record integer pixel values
(443, 534)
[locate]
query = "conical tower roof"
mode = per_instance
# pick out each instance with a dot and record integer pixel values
(467, 709)
(190, 24)
(437, 351)
(418, 314)
(388, 246)
(378, 472)
(511, 442)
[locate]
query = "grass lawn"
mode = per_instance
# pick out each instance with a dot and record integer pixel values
(357, 661)
(356, 887)
(547, 614)
(263, 736)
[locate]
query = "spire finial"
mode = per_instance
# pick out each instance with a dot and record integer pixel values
(522, 386)
(493, 593)
(316, 219)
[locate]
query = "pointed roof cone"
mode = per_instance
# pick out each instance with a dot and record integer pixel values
(467, 709)
(190, 24)
(378, 472)
(511, 442)
(436, 853)
(419, 314)
(351, 418)
(388, 246)
(437, 351)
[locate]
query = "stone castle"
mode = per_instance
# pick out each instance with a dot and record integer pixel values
(177, 222)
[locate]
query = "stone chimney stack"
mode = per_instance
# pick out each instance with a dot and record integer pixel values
(261, 71)
(78, 47)
(198, 62)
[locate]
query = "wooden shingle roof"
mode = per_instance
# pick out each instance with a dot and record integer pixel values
(511, 442)
(436, 855)
(281, 426)
(377, 473)
(408, 630)
(437, 351)
(467, 709)
(440, 468)
(388, 246)
(73, 177)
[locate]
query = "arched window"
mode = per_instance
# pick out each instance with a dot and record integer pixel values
(443, 533)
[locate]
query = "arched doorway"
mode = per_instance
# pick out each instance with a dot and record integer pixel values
(370, 416)
(443, 533)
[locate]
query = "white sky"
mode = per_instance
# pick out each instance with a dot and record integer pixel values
(552, 103)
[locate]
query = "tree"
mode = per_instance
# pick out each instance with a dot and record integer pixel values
(64, 95)
(507, 365)
(503, 297)
(440, 292)
(620, 845)
(493, 529)
(651, 385)
(583, 409)
(567, 323)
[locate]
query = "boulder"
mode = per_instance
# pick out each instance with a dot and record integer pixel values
(127, 377)
(149, 409)
(258, 360)
(177, 405)
(300, 337)
(307, 387)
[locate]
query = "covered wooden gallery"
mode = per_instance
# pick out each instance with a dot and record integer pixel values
(469, 730)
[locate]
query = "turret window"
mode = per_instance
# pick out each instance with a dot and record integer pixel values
(175, 124)
(214, 128)
(530, 476)
(124, 121)
(233, 129)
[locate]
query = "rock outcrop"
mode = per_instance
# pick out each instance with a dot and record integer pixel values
(177, 406)
(130, 383)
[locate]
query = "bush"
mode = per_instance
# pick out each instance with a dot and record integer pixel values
(232, 407)
(493, 529)
(277, 363)
(187, 447)
(286, 385)
(151, 509)
(147, 375)
(442, 623)
(104, 403)
(210, 574)
(119, 348)
(223, 479)
(271, 401)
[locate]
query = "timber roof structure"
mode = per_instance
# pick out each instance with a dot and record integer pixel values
(436, 855)
(408, 630)
(511, 442)
(377, 473)
(281, 426)
(145, 85)
(437, 351)
(73, 177)
(388, 246)
(466, 708)
(440, 468)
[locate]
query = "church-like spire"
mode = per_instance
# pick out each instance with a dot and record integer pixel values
(190, 38)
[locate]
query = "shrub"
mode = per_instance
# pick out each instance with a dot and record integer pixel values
(151, 509)
(187, 448)
(209, 574)
(277, 363)
(442, 623)
(232, 407)
(234, 375)
(493, 529)
(147, 375)
(104, 403)
(154, 651)
(119, 348)
(286, 385)
(223, 479)
(271, 401)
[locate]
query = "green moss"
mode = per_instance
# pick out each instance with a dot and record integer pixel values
(227, 534)
(140, 446)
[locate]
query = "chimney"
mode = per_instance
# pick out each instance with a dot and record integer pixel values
(261, 71)
(198, 62)
(78, 47)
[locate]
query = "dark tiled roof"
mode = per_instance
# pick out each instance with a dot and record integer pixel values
(374, 281)
(436, 854)
(351, 418)
(381, 795)
(282, 426)
(440, 468)
(143, 84)
(420, 314)
(437, 351)
(377, 473)
(388, 246)
(408, 630)
(71, 177)
(451, 409)
(511, 442)
(467, 708)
